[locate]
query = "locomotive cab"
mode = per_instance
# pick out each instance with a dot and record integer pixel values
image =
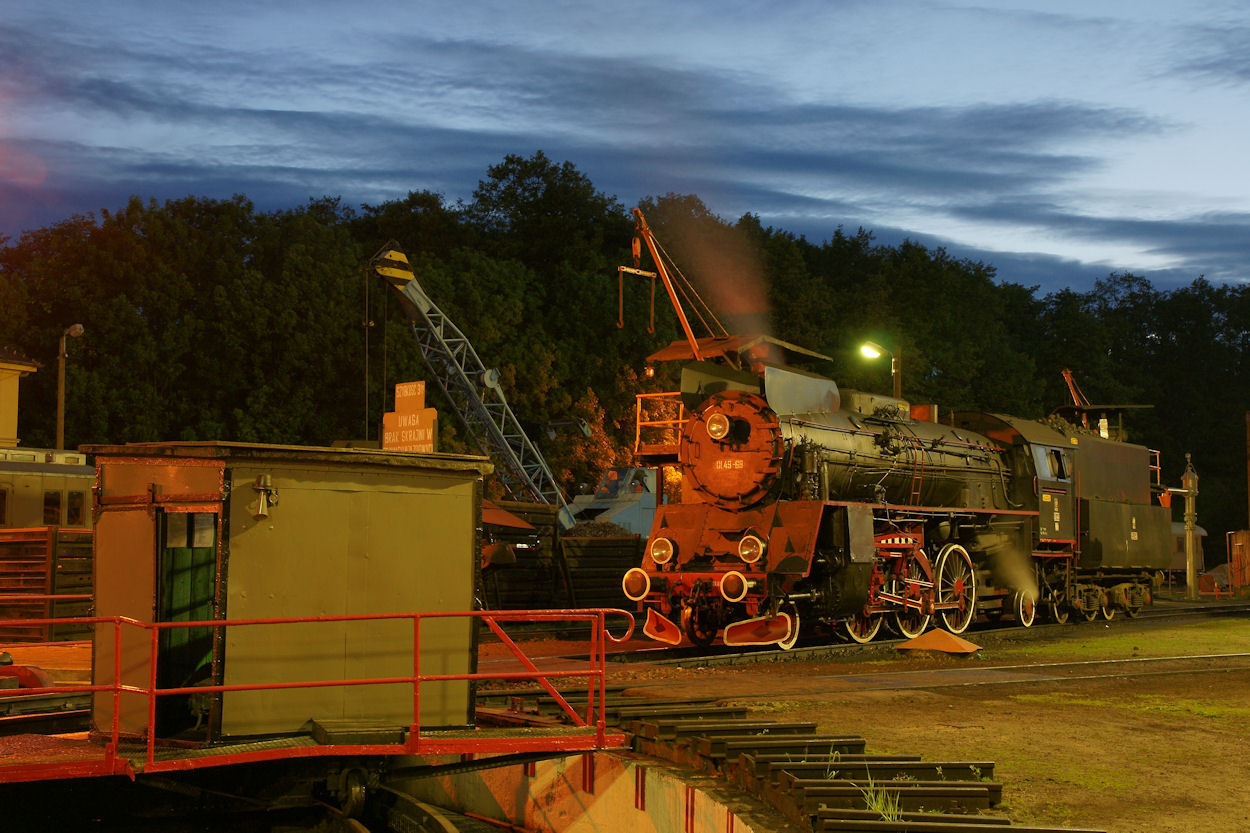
(1055, 526)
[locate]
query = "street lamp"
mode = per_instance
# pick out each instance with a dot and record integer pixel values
(873, 350)
(73, 331)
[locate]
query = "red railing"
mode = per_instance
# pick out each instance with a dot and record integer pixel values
(415, 742)
(659, 418)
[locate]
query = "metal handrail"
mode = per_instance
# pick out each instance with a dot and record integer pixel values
(16, 598)
(668, 423)
(596, 672)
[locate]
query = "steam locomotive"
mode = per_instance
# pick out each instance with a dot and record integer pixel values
(804, 508)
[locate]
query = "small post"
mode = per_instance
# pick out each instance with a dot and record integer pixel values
(1189, 484)
(896, 371)
(74, 330)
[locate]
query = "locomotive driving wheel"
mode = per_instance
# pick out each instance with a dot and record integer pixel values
(956, 585)
(910, 623)
(862, 627)
(907, 577)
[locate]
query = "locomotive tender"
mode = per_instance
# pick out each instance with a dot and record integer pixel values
(804, 507)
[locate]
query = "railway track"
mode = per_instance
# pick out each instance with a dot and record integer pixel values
(986, 634)
(805, 648)
(822, 782)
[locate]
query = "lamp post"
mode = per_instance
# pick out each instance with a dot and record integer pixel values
(72, 331)
(875, 351)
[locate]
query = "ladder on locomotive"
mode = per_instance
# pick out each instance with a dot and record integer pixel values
(916, 451)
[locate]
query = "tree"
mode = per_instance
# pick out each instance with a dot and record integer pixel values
(204, 320)
(544, 214)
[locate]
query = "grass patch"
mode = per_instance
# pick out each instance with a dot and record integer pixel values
(1143, 703)
(881, 801)
(1088, 642)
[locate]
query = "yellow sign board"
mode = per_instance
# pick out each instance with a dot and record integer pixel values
(411, 426)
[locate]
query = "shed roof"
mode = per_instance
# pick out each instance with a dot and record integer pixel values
(219, 450)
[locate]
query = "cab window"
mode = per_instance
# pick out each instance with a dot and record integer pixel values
(1052, 463)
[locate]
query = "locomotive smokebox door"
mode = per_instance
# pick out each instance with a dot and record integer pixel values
(197, 532)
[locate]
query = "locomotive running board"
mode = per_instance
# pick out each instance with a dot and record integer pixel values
(661, 629)
(763, 630)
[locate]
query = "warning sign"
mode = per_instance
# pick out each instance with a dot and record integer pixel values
(411, 426)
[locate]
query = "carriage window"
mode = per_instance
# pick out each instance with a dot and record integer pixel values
(74, 514)
(52, 508)
(4, 507)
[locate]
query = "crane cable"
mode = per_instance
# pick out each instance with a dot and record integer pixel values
(691, 295)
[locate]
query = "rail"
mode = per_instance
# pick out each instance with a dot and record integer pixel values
(415, 742)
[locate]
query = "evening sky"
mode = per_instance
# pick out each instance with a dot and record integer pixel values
(1056, 140)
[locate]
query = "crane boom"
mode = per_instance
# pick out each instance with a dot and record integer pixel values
(473, 389)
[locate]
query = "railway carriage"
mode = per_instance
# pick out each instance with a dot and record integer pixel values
(43, 487)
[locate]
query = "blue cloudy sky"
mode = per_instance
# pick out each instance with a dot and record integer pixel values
(1057, 140)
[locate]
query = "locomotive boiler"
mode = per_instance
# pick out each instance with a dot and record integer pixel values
(806, 507)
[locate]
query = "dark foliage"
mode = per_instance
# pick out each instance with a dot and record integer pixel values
(206, 319)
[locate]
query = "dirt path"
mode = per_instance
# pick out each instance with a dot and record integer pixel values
(1164, 748)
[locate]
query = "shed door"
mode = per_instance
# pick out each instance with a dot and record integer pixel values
(187, 589)
(1054, 499)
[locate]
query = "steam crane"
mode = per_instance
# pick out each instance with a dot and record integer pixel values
(472, 389)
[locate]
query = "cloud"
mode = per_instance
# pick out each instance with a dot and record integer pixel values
(1218, 53)
(384, 109)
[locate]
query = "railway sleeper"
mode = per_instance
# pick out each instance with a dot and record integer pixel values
(850, 793)
(915, 823)
(672, 729)
(884, 770)
(945, 797)
(835, 815)
(993, 790)
(764, 763)
(642, 712)
(798, 746)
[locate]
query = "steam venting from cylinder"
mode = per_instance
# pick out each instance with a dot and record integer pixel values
(1011, 563)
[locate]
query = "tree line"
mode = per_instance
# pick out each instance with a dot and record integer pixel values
(210, 320)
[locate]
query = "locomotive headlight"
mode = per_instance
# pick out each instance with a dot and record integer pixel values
(636, 584)
(718, 426)
(751, 548)
(734, 586)
(662, 550)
